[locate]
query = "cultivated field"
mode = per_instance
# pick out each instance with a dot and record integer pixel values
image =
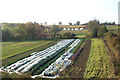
(98, 64)
(77, 69)
(13, 57)
(112, 28)
(57, 57)
(64, 58)
(20, 47)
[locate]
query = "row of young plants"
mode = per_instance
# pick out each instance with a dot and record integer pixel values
(79, 44)
(60, 64)
(37, 69)
(28, 63)
(25, 57)
(98, 61)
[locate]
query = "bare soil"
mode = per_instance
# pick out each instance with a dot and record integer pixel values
(77, 69)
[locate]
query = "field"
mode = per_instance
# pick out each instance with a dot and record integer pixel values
(80, 36)
(76, 70)
(35, 46)
(112, 28)
(87, 59)
(20, 47)
(37, 63)
(98, 62)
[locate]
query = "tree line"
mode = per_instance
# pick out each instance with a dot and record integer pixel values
(95, 30)
(29, 30)
(22, 30)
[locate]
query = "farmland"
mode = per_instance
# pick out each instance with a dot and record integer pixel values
(98, 61)
(76, 70)
(20, 47)
(24, 65)
(85, 57)
(15, 57)
(65, 58)
(112, 28)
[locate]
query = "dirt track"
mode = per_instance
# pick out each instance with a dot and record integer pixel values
(78, 68)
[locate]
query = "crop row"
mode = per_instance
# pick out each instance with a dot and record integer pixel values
(61, 63)
(26, 64)
(98, 62)
(45, 63)
(76, 47)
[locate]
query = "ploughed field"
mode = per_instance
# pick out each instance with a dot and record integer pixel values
(45, 63)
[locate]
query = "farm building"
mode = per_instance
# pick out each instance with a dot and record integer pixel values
(64, 29)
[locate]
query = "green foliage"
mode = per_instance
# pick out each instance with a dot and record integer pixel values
(80, 36)
(37, 69)
(22, 31)
(68, 35)
(5, 35)
(113, 29)
(27, 53)
(108, 23)
(98, 62)
(103, 30)
(54, 30)
(76, 47)
(93, 28)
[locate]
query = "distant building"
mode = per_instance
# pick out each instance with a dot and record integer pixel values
(64, 29)
(76, 29)
(72, 29)
(68, 29)
(81, 29)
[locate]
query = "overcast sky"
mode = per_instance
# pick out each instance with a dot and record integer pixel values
(53, 11)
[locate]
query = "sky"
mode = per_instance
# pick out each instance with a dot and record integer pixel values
(53, 11)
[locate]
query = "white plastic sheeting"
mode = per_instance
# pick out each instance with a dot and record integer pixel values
(61, 63)
(26, 64)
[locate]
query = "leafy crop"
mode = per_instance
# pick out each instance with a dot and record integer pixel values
(98, 62)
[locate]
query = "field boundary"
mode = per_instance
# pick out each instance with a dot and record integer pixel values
(111, 59)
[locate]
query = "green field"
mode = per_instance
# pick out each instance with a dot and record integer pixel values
(112, 27)
(98, 61)
(13, 48)
(80, 36)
